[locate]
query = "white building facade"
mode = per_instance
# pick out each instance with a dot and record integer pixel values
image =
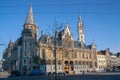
(101, 61)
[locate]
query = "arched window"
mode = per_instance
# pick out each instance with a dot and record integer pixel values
(75, 55)
(83, 56)
(54, 54)
(66, 54)
(79, 62)
(90, 56)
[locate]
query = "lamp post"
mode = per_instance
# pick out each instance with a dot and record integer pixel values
(55, 58)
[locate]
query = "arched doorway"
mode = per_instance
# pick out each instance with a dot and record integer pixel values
(72, 65)
(66, 67)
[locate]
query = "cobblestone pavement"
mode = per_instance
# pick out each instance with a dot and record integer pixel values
(4, 74)
(88, 76)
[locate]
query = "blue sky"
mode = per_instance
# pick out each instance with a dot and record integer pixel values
(101, 19)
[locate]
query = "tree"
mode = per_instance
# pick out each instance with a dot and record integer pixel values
(54, 32)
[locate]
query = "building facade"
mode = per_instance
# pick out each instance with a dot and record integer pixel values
(72, 56)
(108, 59)
(101, 61)
(20, 54)
(118, 59)
(114, 62)
(60, 52)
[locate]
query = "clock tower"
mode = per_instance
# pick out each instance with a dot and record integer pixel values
(80, 28)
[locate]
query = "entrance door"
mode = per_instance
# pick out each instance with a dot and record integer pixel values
(66, 67)
(71, 65)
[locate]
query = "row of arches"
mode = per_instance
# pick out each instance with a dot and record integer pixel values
(78, 62)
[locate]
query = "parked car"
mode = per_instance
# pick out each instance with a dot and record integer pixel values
(15, 73)
(35, 73)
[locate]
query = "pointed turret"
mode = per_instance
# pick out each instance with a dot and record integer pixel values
(93, 44)
(30, 27)
(30, 18)
(80, 23)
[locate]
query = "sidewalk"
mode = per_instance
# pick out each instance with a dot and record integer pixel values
(4, 74)
(102, 73)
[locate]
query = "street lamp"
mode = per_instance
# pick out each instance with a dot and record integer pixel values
(55, 57)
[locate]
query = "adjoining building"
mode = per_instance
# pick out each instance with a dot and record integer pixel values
(114, 61)
(118, 60)
(72, 56)
(108, 59)
(101, 61)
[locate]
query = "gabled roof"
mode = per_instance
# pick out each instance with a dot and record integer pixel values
(44, 39)
(67, 31)
(78, 44)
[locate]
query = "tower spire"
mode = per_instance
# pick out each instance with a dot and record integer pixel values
(80, 23)
(93, 44)
(30, 18)
(80, 28)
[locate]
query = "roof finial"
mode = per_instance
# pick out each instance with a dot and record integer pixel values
(93, 43)
(79, 19)
(30, 18)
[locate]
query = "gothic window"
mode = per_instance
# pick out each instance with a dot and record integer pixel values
(79, 62)
(90, 64)
(25, 53)
(90, 56)
(66, 54)
(79, 55)
(25, 45)
(71, 55)
(83, 56)
(75, 55)
(24, 61)
(30, 46)
(43, 53)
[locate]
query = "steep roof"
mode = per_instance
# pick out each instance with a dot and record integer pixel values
(101, 53)
(30, 18)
